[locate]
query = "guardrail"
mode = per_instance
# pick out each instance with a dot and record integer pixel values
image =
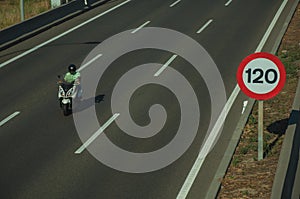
(39, 23)
(286, 173)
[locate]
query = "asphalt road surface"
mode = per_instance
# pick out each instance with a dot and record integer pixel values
(38, 143)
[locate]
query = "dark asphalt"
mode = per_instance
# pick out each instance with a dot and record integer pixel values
(37, 147)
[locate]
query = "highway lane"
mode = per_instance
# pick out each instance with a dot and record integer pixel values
(38, 145)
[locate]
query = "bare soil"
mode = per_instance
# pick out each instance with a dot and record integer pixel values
(246, 177)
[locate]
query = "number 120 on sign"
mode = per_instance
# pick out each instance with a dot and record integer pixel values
(261, 76)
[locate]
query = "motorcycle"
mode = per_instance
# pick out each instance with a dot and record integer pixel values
(67, 93)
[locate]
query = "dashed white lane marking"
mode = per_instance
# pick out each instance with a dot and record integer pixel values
(228, 2)
(9, 118)
(141, 26)
(165, 66)
(175, 3)
(204, 26)
(97, 133)
(89, 62)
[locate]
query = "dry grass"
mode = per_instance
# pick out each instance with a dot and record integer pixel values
(10, 10)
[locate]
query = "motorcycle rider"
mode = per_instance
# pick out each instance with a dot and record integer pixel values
(73, 76)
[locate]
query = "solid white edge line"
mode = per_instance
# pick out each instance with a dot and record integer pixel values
(201, 157)
(61, 35)
(97, 133)
(228, 2)
(89, 62)
(175, 3)
(165, 66)
(141, 26)
(271, 26)
(9, 117)
(204, 26)
(207, 146)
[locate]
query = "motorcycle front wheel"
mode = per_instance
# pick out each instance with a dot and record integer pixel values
(65, 109)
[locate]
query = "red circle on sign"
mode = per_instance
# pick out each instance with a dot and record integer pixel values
(258, 96)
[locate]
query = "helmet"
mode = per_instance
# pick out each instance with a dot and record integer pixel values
(72, 68)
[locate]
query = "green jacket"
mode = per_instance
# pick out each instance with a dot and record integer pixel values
(70, 78)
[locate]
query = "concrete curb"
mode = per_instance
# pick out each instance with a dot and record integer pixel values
(284, 28)
(40, 23)
(216, 183)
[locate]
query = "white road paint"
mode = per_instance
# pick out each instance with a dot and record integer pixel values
(97, 133)
(204, 26)
(175, 3)
(165, 66)
(213, 134)
(61, 35)
(207, 146)
(9, 118)
(141, 26)
(89, 62)
(271, 26)
(245, 103)
(228, 2)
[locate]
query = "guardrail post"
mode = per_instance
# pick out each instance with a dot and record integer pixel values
(22, 10)
(55, 3)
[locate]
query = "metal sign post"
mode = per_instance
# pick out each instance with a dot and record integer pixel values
(22, 10)
(260, 130)
(261, 76)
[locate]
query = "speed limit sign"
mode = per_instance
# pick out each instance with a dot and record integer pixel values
(261, 75)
